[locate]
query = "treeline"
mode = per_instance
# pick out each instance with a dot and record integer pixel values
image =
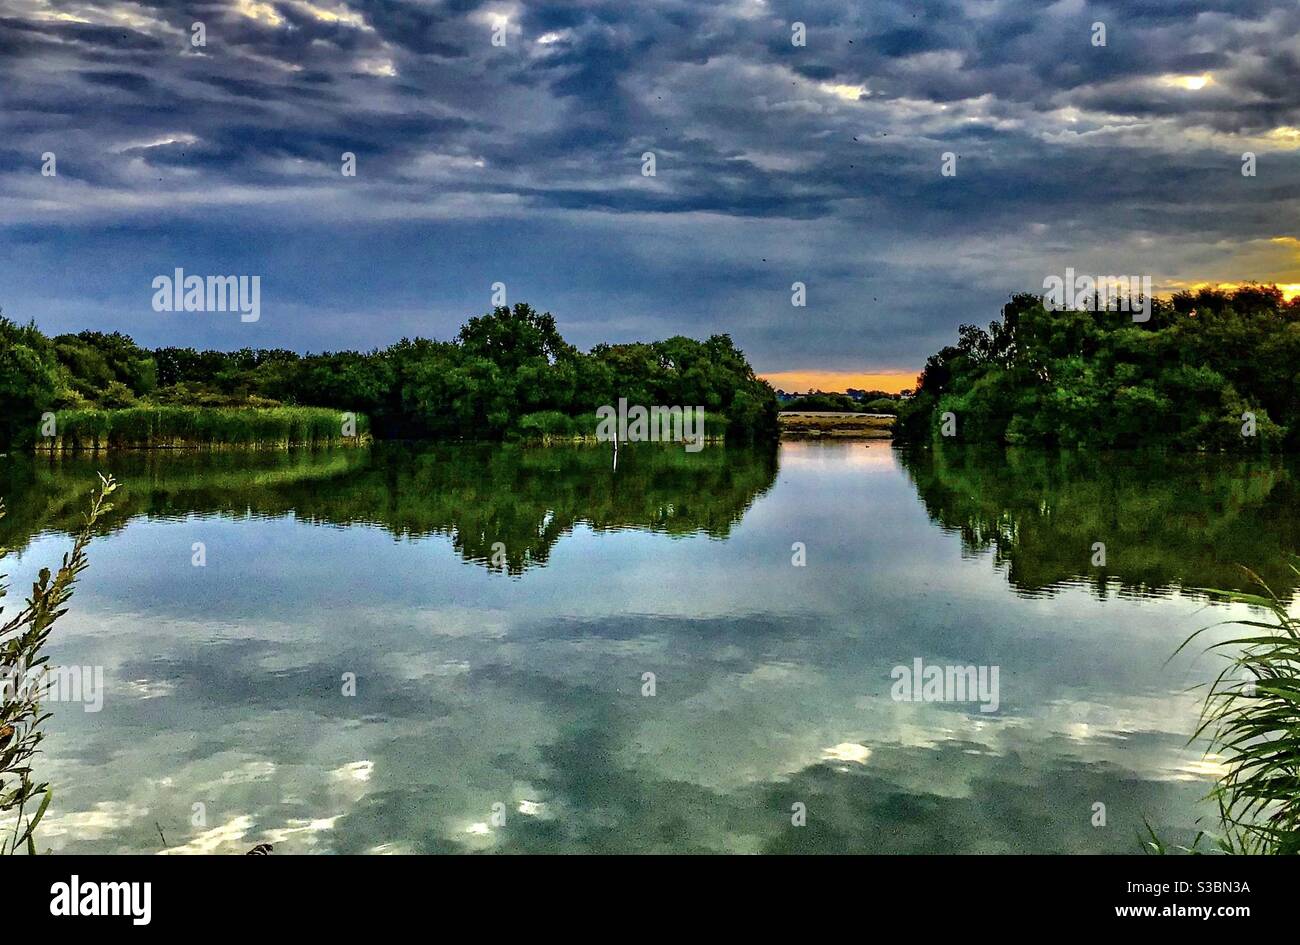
(853, 401)
(1210, 370)
(507, 374)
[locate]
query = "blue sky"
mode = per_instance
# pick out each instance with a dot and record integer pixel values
(481, 163)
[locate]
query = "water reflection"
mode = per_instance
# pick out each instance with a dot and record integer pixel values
(477, 694)
(505, 507)
(1167, 521)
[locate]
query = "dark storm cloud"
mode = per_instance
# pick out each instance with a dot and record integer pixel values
(774, 162)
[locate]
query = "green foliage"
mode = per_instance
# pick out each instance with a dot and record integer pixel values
(29, 381)
(551, 424)
(22, 644)
(512, 364)
(211, 427)
(503, 373)
(820, 401)
(1252, 717)
(1184, 379)
(882, 405)
(107, 369)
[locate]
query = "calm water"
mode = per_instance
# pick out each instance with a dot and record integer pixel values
(499, 687)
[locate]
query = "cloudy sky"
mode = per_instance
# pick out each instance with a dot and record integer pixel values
(521, 163)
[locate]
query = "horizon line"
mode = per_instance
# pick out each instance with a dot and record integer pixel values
(891, 381)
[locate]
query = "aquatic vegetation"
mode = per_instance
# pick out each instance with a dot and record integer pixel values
(22, 641)
(155, 427)
(1252, 718)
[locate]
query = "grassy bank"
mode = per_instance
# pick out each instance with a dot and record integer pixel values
(863, 426)
(201, 428)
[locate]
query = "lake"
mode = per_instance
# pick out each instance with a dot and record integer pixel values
(449, 649)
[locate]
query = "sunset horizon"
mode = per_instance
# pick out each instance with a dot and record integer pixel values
(797, 382)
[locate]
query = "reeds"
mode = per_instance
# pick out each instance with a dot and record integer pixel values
(22, 643)
(1251, 716)
(182, 427)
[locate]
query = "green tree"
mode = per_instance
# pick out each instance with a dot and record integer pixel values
(29, 381)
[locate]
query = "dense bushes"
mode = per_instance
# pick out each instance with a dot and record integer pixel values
(29, 379)
(1202, 369)
(882, 405)
(507, 374)
(548, 424)
(855, 401)
(824, 402)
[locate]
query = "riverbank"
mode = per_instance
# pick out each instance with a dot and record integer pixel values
(806, 424)
(213, 428)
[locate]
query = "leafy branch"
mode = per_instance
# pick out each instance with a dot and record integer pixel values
(22, 642)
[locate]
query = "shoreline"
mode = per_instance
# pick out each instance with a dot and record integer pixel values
(818, 424)
(359, 441)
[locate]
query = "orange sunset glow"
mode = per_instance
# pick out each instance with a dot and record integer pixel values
(837, 381)
(1289, 290)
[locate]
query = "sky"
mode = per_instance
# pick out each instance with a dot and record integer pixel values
(505, 142)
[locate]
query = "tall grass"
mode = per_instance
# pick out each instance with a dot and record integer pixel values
(184, 427)
(1251, 716)
(22, 644)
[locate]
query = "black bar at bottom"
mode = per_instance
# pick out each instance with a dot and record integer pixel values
(239, 895)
